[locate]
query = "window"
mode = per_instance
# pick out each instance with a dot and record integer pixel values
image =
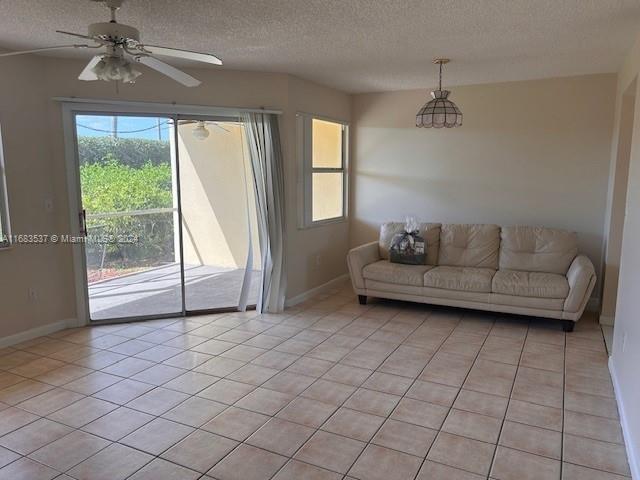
(322, 147)
(5, 230)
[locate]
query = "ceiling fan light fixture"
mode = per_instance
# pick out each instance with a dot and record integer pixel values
(201, 132)
(115, 68)
(440, 111)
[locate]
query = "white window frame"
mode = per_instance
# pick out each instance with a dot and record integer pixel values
(5, 238)
(304, 133)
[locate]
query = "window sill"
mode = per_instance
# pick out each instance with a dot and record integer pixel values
(324, 223)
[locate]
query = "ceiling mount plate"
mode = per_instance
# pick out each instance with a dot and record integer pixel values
(441, 61)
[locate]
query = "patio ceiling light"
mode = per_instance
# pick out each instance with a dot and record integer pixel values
(201, 132)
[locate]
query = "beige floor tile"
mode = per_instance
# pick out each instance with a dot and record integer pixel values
(22, 391)
(131, 347)
(347, 374)
(226, 391)
(69, 450)
(472, 425)
(156, 436)
(305, 411)
(13, 418)
(195, 411)
(92, 383)
(287, 382)
(159, 353)
(252, 374)
(99, 359)
(280, 436)
(516, 465)
(211, 347)
(124, 391)
(535, 415)
(295, 347)
(236, 423)
(157, 401)
(543, 356)
(128, 367)
(158, 374)
(191, 382)
(116, 462)
(407, 361)
(463, 453)
(50, 401)
(160, 469)
(590, 385)
(353, 424)
(34, 436)
(62, 375)
(312, 367)
(591, 404)
(27, 469)
(277, 360)
(491, 377)
(36, 367)
(447, 369)
(420, 413)
(330, 451)
(295, 470)
(118, 424)
(262, 400)
(248, 463)
(245, 353)
(200, 450)
(405, 437)
(595, 454)
(329, 392)
(370, 401)
(433, 393)
(536, 440)
(219, 366)
(577, 472)
(388, 383)
(187, 360)
(7, 456)
(82, 412)
(590, 426)
(437, 471)
(380, 463)
(482, 403)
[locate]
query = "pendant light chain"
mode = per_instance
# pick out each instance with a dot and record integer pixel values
(440, 80)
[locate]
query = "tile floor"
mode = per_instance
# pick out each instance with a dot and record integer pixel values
(327, 390)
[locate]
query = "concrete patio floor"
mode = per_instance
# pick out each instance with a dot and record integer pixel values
(157, 291)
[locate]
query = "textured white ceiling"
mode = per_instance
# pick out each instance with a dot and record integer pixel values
(361, 45)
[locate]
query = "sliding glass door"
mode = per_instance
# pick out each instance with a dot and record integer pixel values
(168, 214)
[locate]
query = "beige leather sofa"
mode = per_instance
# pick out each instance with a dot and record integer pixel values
(519, 269)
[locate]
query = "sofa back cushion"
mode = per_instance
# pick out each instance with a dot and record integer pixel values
(468, 245)
(430, 232)
(537, 249)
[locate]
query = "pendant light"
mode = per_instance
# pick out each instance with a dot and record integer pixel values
(439, 112)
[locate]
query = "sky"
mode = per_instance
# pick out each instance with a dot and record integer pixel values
(102, 126)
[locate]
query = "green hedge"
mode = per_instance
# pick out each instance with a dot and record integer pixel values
(134, 152)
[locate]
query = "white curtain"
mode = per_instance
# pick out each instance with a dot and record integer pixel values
(265, 154)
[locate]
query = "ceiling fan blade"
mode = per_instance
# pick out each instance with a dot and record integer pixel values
(79, 35)
(44, 49)
(168, 70)
(185, 54)
(87, 74)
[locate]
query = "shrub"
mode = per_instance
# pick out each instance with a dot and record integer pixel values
(134, 152)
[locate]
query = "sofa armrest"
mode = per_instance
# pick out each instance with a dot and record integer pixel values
(581, 277)
(360, 257)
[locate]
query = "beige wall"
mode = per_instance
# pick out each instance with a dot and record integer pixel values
(34, 151)
(626, 342)
(534, 152)
(214, 197)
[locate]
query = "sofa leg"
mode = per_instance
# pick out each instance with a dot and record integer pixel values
(567, 325)
(362, 299)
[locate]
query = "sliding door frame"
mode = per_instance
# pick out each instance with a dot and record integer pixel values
(72, 107)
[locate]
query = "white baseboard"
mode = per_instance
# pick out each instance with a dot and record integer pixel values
(629, 443)
(290, 302)
(606, 320)
(36, 332)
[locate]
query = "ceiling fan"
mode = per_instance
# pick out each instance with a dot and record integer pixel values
(123, 50)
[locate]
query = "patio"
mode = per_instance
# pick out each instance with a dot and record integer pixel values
(157, 291)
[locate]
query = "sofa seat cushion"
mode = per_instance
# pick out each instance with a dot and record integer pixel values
(530, 284)
(397, 273)
(467, 279)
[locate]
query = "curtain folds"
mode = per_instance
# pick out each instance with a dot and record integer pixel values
(265, 154)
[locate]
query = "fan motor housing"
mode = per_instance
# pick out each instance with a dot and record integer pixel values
(114, 32)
